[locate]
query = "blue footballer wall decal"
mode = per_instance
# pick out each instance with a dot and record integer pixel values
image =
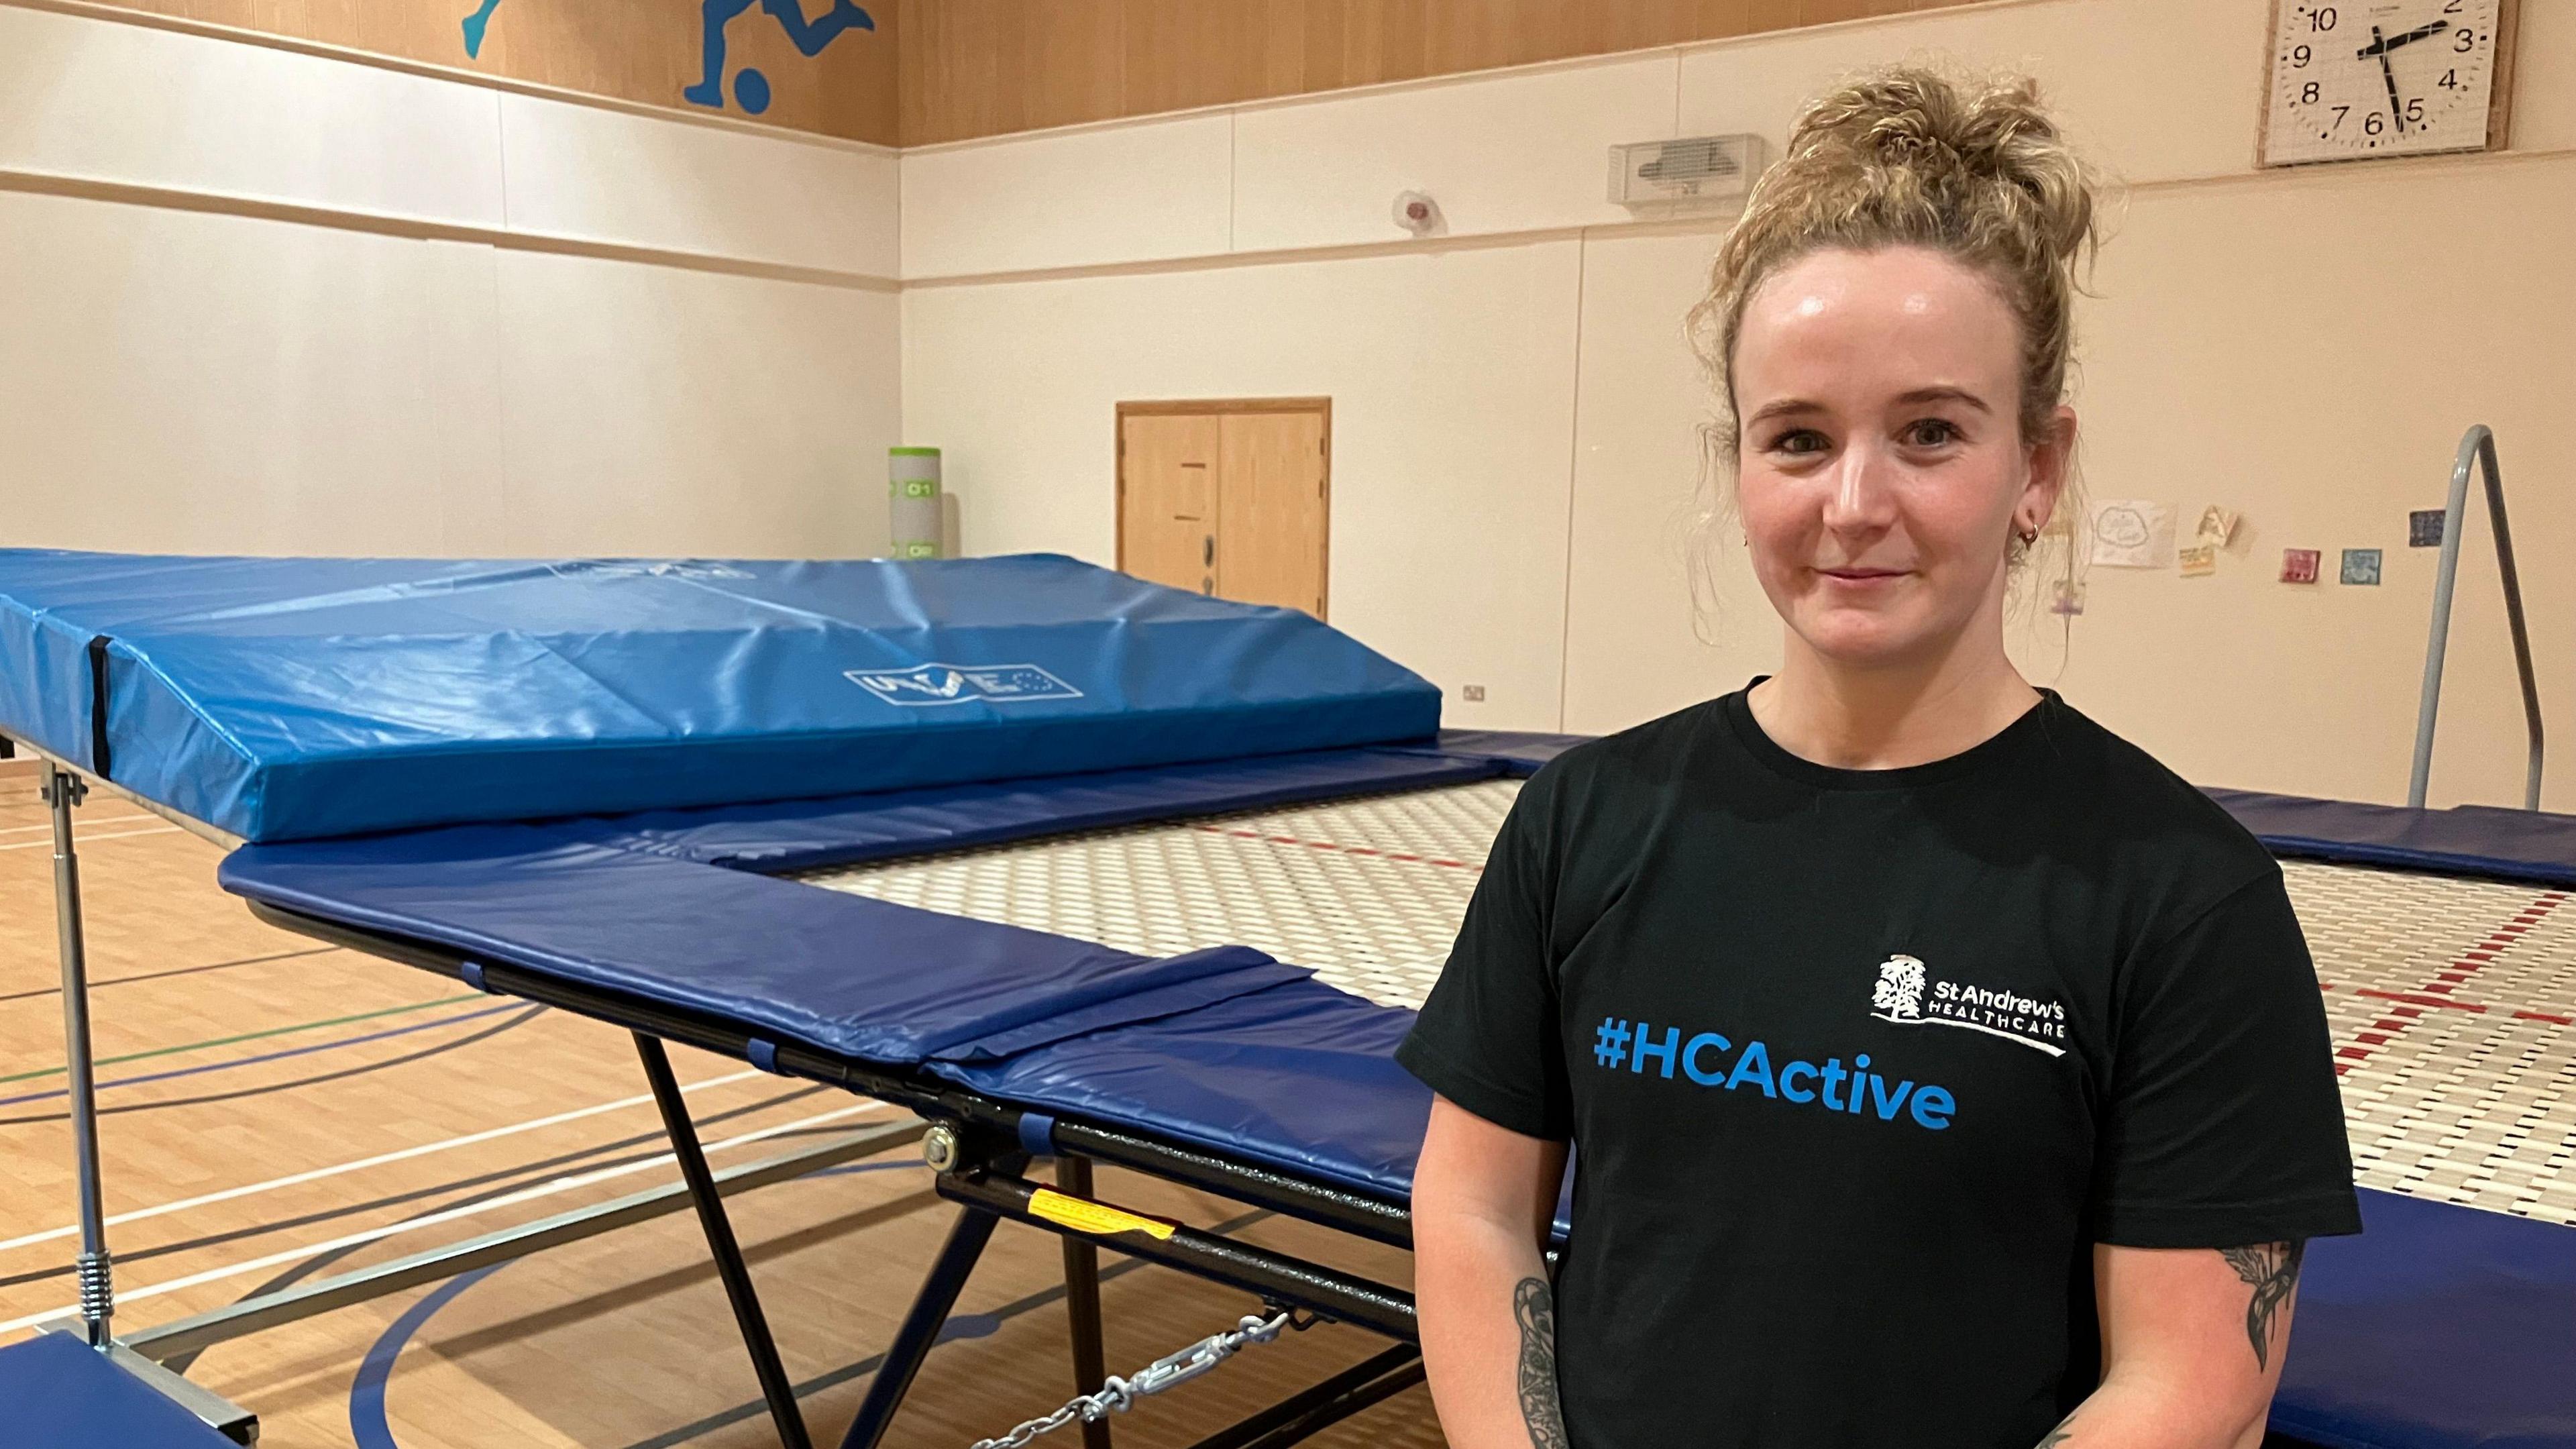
(475, 24)
(750, 87)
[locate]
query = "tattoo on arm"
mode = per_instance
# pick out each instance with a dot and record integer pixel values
(2273, 1270)
(1534, 1308)
(2064, 1433)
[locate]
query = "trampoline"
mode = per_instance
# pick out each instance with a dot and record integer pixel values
(1194, 963)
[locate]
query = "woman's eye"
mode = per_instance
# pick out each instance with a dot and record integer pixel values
(1931, 433)
(1799, 441)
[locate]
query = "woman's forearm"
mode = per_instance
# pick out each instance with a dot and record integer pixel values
(1488, 1318)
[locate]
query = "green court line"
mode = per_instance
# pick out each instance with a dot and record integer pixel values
(248, 1036)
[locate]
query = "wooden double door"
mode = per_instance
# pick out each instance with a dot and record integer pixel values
(1228, 498)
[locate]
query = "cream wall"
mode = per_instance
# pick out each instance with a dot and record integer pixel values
(263, 301)
(1515, 410)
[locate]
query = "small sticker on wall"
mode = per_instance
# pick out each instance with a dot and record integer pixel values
(2198, 561)
(2299, 565)
(2424, 527)
(2361, 566)
(2132, 533)
(2217, 527)
(2066, 598)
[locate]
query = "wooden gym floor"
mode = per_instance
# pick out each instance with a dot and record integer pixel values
(356, 1095)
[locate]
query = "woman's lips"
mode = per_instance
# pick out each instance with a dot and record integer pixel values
(1862, 576)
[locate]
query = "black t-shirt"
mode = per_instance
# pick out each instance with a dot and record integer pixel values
(1859, 1064)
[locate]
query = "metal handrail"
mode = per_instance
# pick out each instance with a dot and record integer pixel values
(2477, 445)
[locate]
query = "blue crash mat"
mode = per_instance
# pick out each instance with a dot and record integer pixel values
(2440, 1327)
(284, 699)
(59, 1393)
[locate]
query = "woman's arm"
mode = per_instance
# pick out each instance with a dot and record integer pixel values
(1482, 1199)
(2192, 1340)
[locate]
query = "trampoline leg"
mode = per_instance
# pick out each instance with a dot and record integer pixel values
(921, 1326)
(774, 1386)
(62, 791)
(1082, 1302)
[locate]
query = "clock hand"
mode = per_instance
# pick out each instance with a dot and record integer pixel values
(2379, 47)
(2382, 47)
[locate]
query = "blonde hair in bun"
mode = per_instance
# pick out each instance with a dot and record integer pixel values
(1907, 156)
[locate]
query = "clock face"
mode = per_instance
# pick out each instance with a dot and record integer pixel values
(2353, 79)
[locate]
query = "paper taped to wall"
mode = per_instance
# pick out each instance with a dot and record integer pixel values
(2132, 533)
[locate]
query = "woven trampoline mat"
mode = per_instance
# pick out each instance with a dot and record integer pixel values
(2453, 1002)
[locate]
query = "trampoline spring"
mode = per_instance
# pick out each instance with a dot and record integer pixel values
(97, 1291)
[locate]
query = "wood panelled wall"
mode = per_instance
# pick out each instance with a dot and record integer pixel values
(947, 70)
(985, 67)
(630, 50)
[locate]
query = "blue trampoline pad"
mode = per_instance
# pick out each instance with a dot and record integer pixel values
(2440, 1327)
(786, 963)
(2532, 846)
(57, 1392)
(282, 699)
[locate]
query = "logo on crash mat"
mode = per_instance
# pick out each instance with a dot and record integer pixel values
(1907, 996)
(960, 683)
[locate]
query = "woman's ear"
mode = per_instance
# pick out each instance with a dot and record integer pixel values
(2051, 458)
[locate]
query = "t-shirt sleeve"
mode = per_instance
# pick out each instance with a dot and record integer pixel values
(1487, 1038)
(2223, 1123)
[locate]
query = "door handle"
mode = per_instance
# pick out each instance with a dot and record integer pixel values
(1207, 550)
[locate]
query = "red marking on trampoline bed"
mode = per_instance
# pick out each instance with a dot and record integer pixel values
(1337, 848)
(2397, 1019)
(2545, 1016)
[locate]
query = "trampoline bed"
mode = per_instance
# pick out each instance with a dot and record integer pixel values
(1197, 968)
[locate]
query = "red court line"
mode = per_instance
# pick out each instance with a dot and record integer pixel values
(1338, 848)
(2436, 995)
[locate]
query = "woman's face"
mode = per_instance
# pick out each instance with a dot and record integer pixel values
(1883, 472)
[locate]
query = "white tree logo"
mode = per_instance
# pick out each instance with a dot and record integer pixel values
(1899, 996)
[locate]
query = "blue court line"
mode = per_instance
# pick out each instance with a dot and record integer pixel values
(367, 1422)
(276, 1056)
(367, 1392)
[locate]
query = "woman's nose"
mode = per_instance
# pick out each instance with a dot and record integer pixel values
(1863, 497)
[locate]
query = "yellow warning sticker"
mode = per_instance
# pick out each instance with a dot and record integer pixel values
(1091, 1217)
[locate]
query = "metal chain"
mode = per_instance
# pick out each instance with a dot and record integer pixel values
(1119, 1395)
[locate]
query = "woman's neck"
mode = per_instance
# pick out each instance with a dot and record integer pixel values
(1889, 717)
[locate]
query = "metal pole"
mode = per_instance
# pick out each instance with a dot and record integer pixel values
(2444, 581)
(2513, 617)
(62, 791)
(2477, 448)
(775, 1387)
(921, 1325)
(1082, 1302)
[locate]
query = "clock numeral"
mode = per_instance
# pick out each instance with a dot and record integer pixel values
(2415, 111)
(2308, 94)
(2340, 113)
(2467, 40)
(2453, 8)
(2300, 55)
(2321, 19)
(2374, 123)
(2450, 81)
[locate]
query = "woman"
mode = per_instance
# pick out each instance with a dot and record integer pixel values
(1946, 1071)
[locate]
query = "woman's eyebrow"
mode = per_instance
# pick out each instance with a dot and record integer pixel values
(1782, 407)
(1945, 394)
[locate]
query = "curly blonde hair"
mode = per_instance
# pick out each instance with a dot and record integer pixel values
(1908, 156)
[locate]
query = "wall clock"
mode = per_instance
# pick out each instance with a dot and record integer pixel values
(2353, 80)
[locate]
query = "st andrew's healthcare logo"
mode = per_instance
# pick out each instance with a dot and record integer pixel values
(1906, 995)
(936, 684)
